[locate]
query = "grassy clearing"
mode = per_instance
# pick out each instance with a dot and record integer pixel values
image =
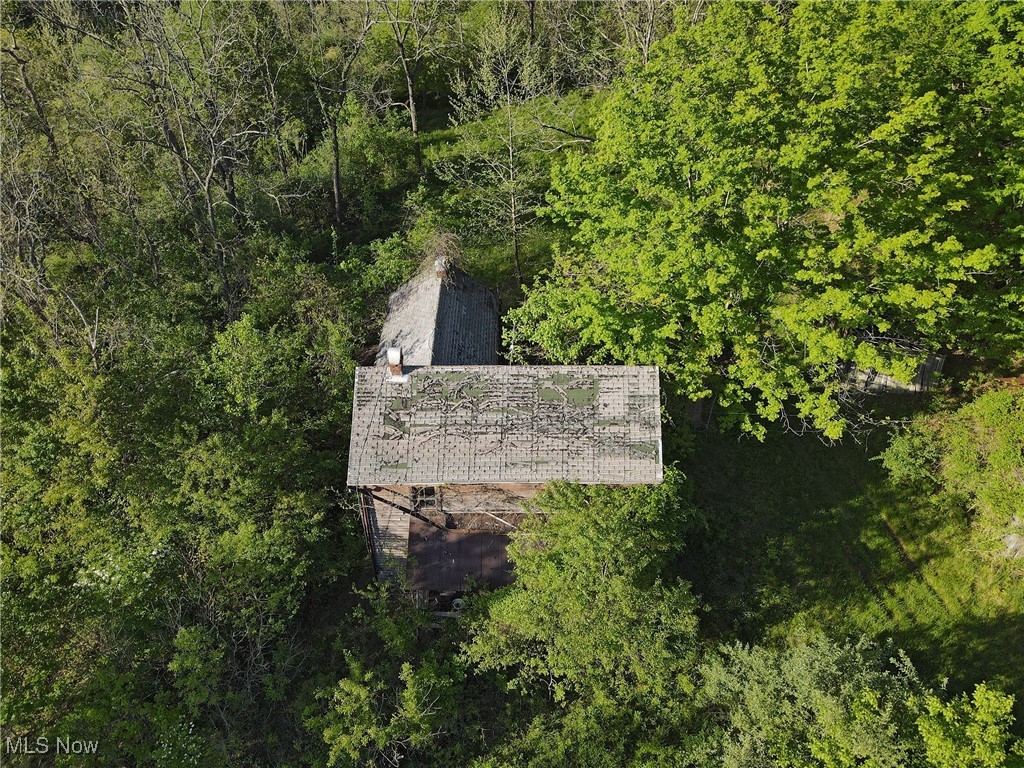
(804, 537)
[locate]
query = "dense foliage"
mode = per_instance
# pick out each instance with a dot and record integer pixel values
(597, 623)
(593, 658)
(204, 207)
(782, 193)
(828, 705)
(974, 458)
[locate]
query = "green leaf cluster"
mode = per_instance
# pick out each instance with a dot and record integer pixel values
(787, 191)
(974, 457)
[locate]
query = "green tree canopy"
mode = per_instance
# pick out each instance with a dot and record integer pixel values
(817, 704)
(787, 190)
(596, 622)
(822, 704)
(970, 731)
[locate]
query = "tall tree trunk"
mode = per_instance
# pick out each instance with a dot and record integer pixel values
(512, 188)
(93, 236)
(222, 257)
(279, 142)
(412, 114)
(336, 181)
(231, 193)
(410, 88)
(515, 244)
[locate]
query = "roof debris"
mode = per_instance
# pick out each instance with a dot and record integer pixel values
(506, 424)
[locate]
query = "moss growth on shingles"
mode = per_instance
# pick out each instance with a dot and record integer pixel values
(549, 395)
(390, 420)
(582, 396)
(452, 376)
(585, 395)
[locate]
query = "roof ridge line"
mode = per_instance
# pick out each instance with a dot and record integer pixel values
(437, 316)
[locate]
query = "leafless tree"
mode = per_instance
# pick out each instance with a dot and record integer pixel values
(589, 42)
(183, 66)
(421, 30)
(494, 168)
(642, 23)
(329, 38)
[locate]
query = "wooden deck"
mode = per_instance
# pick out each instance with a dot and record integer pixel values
(443, 561)
(386, 518)
(442, 514)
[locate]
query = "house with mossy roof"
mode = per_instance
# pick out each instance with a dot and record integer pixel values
(449, 445)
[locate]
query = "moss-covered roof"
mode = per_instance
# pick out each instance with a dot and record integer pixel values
(506, 424)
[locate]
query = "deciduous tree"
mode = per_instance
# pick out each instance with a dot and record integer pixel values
(784, 192)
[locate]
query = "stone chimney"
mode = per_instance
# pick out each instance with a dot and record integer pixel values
(395, 362)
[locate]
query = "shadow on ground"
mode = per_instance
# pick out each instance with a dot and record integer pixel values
(803, 537)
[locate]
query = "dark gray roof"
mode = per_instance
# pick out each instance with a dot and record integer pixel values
(442, 321)
(506, 424)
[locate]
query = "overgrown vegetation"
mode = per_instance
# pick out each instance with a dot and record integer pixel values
(807, 536)
(205, 206)
(973, 458)
(783, 192)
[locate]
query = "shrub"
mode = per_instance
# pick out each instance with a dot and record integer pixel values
(913, 455)
(975, 456)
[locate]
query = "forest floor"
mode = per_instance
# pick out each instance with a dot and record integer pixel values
(804, 537)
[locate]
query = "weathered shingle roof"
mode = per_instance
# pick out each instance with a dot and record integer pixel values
(442, 321)
(506, 424)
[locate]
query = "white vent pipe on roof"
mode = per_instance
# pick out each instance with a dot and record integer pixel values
(395, 367)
